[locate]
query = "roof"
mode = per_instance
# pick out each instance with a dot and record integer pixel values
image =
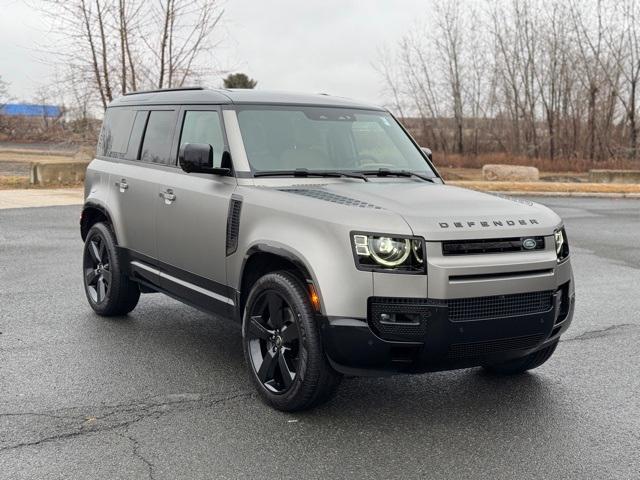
(221, 96)
(30, 110)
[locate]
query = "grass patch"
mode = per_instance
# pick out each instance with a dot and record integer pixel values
(549, 187)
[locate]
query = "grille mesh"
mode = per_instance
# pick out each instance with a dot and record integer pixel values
(419, 309)
(479, 308)
(233, 225)
(480, 349)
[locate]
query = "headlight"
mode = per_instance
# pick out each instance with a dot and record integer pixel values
(562, 245)
(388, 253)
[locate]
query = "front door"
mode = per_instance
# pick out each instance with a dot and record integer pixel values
(192, 219)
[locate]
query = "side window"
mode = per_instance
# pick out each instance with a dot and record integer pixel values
(157, 137)
(203, 127)
(136, 135)
(114, 136)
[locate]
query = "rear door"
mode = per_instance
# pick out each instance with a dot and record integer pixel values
(192, 217)
(131, 199)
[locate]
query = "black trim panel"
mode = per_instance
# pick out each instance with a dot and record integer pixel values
(233, 223)
(202, 296)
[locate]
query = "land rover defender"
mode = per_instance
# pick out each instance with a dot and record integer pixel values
(324, 229)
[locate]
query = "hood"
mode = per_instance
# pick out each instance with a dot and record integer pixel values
(441, 212)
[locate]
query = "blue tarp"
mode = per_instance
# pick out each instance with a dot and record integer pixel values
(30, 110)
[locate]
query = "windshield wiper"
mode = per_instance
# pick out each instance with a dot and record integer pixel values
(303, 172)
(385, 172)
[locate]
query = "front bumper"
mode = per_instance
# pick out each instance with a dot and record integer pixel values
(440, 337)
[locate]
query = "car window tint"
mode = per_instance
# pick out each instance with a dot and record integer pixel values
(136, 135)
(116, 129)
(373, 145)
(204, 127)
(157, 138)
(319, 138)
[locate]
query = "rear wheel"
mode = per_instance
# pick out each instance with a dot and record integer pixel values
(521, 365)
(109, 290)
(282, 345)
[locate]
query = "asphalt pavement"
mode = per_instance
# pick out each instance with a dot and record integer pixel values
(164, 393)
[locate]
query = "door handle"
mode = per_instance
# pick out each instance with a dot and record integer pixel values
(169, 196)
(122, 185)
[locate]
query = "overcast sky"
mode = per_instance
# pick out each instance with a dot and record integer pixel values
(312, 45)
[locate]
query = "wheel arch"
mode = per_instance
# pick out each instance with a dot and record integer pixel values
(92, 213)
(263, 258)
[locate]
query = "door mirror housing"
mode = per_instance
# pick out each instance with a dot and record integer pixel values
(428, 153)
(198, 158)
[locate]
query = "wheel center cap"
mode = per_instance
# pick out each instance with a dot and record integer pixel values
(278, 341)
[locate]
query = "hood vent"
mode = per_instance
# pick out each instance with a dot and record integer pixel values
(330, 197)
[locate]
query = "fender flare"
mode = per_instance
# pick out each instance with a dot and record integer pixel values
(281, 251)
(93, 205)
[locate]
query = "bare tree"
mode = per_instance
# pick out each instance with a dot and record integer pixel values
(4, 92)
(123, 45)
(542, 78)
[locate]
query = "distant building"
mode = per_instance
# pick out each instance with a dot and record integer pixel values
(30, 110)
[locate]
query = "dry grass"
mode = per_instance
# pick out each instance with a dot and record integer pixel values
(11, 182)
(549, 187)
(28, 156)
(20, 182)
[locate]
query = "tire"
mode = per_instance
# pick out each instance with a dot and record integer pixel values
(282, 345)
(109, 290)
(521, 365)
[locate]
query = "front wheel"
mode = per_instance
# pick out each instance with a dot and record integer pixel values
(109, 290)
(521, 365)
(282, 345)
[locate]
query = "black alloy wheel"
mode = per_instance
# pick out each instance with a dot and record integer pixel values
(283, 345)
(274, 341)
(97, 268)
(109, 289)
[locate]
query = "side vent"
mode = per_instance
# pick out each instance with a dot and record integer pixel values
(233, 224)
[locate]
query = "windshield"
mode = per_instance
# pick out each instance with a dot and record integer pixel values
(321, 139)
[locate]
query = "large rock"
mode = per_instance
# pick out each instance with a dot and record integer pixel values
(510, 173)
(58, 173)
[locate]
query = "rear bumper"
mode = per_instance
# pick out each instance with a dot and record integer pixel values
(441, 341)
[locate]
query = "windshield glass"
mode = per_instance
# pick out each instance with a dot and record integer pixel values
(320, 138)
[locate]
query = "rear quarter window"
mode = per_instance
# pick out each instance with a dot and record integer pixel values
(115, 133)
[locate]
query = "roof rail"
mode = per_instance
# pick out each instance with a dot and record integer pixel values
(177, 89)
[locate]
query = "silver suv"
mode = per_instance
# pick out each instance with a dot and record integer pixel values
(320, 226)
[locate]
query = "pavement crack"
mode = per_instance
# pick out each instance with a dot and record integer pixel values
(135, 444)
(603, 332)
(75, 421)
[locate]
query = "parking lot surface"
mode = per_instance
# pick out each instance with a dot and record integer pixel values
(164, 393)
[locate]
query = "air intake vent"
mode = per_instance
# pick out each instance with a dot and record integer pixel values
(401, 318)
(233, 224)
(498, 245)
(498, 306)
(467, 351)
(330, 197)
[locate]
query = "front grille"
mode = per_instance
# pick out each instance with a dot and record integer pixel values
(494, 245)
(479, 308)
(465, 351)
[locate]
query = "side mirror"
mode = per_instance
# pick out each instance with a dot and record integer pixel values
(198, 158)
(428, 153)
